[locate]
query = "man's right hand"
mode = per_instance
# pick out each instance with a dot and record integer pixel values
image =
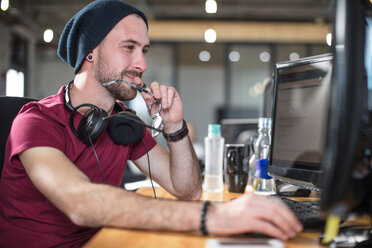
(253, 213)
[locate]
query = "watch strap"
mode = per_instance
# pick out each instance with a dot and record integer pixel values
(179, 135)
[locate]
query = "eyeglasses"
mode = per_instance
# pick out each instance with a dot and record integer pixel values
(157, 120)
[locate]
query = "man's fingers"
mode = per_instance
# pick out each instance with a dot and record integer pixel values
(254, 213)
(155, 88)
(267, 228)
(164, 96)
(278, 214)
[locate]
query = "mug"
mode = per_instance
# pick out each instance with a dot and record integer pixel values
(236, 167)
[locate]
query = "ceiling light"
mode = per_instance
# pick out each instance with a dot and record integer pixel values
(204, 56)
(234, 56)
(210, 35)
(294, 56)
(329, 39)
(211, 6)
(265, 56)
(48, 35)
(4, 5)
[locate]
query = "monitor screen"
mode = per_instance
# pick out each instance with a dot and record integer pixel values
(301, 97)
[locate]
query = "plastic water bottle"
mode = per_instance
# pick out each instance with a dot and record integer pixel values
(262, 183)
(214, 145)
(262, 145)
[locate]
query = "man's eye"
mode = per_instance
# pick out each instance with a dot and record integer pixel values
(129, 47)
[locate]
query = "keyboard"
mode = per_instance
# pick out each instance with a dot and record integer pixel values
(307, 212)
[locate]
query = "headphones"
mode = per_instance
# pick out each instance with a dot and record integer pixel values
(124, 128)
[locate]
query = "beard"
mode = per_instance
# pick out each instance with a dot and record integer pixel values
(103, 74)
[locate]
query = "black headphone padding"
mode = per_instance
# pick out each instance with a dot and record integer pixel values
(92, 123)
(126, 128)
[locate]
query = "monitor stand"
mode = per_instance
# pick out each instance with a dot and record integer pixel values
(359, 236)
(289, 190)
(353, 236)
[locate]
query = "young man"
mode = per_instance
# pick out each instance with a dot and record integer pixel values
(58, 187)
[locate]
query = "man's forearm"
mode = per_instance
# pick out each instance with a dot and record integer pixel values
(185, 169)
(110, 206)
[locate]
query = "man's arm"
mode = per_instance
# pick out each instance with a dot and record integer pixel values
(96, 205)
(178, 171)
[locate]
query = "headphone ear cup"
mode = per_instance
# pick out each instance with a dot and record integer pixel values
(92, 124)
(125, 128)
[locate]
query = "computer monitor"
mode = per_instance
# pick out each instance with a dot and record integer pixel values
(347, 150)
(301, 97)
(239, 131)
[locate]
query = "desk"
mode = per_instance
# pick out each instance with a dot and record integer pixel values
(114, 237)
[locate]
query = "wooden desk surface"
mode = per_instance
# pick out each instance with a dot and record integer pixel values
(113, 237)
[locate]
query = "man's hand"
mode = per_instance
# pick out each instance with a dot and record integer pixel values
(171, 104)
(253, 213)
(177, 170)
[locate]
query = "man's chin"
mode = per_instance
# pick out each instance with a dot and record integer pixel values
(127, 97)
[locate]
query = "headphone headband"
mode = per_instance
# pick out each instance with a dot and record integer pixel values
(117, 107)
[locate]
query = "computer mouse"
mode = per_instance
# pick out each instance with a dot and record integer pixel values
(290, 190)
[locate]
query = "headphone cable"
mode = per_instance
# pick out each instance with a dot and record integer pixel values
(148, 163)
(95, 153)
(149, 168)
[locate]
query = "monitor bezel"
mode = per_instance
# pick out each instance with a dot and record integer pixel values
(305, 178)
(346, 112)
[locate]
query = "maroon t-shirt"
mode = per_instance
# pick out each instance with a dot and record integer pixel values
(27, 218)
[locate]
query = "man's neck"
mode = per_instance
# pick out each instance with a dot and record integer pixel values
(86, 89)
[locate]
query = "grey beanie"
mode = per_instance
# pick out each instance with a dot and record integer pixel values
(87, 28)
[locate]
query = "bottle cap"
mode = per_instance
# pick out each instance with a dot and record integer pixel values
(264, 122)
(261, 169)
(214, 130)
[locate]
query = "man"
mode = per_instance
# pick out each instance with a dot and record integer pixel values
(57, 190)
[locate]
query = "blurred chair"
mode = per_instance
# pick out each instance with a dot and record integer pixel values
(9, 108)
(131, 174)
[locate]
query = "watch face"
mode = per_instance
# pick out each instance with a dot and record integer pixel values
(157, 122)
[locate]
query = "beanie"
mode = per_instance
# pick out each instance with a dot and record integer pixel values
(87, 28)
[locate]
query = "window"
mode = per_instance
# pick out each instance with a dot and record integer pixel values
(15, 82)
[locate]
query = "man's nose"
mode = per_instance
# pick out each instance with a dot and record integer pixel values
(140, 62)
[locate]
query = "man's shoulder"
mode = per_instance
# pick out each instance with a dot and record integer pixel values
(49, 108)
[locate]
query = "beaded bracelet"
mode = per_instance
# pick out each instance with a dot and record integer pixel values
(203, 215)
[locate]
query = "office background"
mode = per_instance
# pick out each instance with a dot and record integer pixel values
(224, 79)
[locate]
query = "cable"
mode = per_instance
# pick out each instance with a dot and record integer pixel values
(148, 163)
(95, 153)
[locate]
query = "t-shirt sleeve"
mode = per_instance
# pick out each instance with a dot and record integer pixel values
(141, 148)
(32, 129)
